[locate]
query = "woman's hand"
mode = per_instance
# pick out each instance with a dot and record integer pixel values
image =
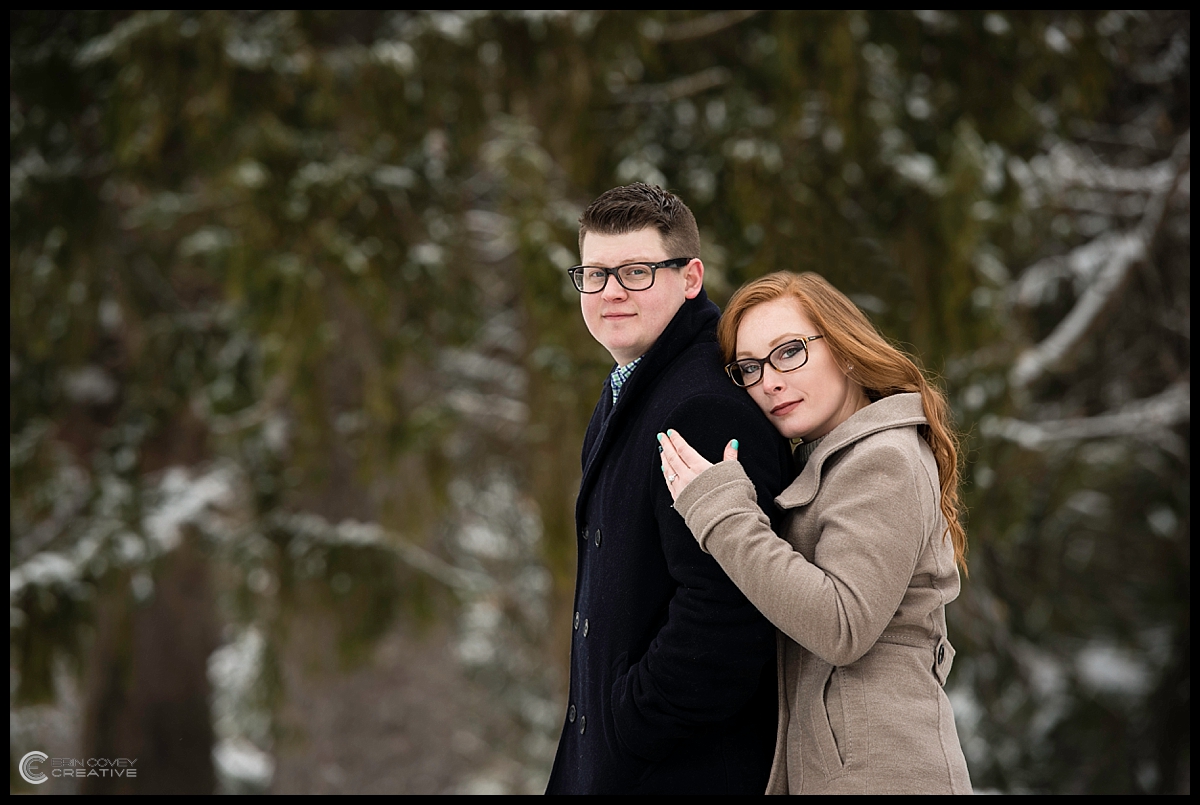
(681, 464)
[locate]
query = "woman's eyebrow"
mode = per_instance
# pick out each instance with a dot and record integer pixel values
(783, 339)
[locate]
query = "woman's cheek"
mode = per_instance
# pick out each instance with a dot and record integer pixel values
(760, 399)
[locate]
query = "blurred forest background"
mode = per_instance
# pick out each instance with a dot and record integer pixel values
(297, 381)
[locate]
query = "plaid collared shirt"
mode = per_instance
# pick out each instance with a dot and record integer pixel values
(619, 376)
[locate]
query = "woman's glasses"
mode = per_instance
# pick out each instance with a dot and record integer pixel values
(787, 357)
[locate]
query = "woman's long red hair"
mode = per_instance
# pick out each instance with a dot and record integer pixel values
(876, 365)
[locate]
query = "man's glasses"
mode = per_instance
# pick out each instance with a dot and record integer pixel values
(632, 276)
(786, 357)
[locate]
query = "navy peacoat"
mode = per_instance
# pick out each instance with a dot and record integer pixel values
(672, 686)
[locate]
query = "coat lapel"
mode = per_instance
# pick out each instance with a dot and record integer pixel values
(896, 411)
(695, 322)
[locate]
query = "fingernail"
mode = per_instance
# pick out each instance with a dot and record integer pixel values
(734, 443)
(660, 438)
(660, 448)
(670, 432)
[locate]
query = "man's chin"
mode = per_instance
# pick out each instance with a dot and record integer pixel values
(624, 353)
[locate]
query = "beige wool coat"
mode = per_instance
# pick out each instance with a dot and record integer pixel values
(858, 587)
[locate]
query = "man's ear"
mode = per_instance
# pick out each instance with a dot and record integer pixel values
(693, 279)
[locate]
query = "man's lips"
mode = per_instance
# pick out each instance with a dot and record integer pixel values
(617, 315)
(783, 409)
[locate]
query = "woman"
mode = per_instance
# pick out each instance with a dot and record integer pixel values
(858, 582)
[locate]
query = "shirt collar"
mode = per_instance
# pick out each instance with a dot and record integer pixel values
(620, 375)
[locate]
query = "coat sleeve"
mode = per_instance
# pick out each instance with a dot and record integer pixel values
(871, 531)
(707, 660)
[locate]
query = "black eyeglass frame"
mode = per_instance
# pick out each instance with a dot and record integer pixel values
(674, 262)
(802, 341)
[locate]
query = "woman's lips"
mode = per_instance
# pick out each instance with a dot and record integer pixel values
(784, 409)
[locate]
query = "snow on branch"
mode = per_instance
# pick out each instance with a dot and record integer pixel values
(1067, 165)
(696, 28)
(683, 87)
(1112, 265)
(1053, 351)
(1082, 265)
(311, 529)
(207, 500)
(1147, 417)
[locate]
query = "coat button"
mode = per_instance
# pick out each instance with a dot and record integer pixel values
(941, 654)
(582, 724)
(597, 538)
(576, 620)
(583, 534)
(571, 714)
(585, 627)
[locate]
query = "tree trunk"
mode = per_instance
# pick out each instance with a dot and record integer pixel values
(147, 682)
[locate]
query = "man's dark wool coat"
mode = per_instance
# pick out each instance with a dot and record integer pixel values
(672, 684)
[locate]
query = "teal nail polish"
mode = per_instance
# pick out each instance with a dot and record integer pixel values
(735, 446)
(660, 438)
(660, 448)
(670, 432)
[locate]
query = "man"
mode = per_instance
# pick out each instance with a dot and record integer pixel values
(672, 685)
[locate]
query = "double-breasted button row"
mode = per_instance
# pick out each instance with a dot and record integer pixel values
(582, 719)
(596, 538)
(585, 624)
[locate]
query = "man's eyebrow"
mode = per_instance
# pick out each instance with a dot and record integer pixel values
(618, 265)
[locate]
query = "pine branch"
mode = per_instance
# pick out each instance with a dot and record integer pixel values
(1125, 252)
(1148, 417)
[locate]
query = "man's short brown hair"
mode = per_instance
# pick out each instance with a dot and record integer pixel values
(638, 206)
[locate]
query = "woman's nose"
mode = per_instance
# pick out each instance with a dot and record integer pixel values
(772, 379)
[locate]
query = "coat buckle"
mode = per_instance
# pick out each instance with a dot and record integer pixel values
(943, 659)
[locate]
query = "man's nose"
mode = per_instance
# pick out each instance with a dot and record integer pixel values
(613, 290)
